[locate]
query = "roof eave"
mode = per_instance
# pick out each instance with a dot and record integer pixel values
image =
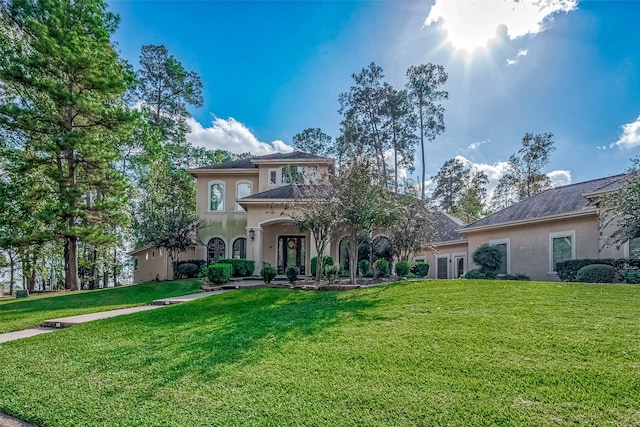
(230, 171)
(576, 214)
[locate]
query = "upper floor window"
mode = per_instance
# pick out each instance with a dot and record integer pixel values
(292, 174)
(216, 196)
(273, 176)
(243, 189)
(561, 248)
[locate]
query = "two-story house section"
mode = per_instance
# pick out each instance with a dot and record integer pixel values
(241, 205)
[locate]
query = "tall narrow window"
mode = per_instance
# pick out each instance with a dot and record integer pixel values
(215, 250)
(634, 248)
(443, 267)
(216, 197)
(273, 176)
(240, 247)
(503, 246)
(243, 189)
(561, 248)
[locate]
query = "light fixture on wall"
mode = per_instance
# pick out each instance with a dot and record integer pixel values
(252, 234)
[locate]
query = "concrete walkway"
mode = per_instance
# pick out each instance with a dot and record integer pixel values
(65, 322)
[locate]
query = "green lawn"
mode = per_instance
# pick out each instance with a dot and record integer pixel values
(18, 314)
(457, 353)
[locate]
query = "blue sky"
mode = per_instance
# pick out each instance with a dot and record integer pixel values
(273, 68)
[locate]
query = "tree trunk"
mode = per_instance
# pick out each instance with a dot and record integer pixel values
(115, 267)
(353, 257)
(71, 278)
(12, 273)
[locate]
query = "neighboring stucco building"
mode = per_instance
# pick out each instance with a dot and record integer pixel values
(450, 259)
(554, 225)
(151, 263)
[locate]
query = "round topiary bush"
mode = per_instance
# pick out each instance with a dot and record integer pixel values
(219, 273)
(382, 268)
(420, 268)
(596, 273)
(292, 274)
(188, 270)
(268, 273)
(632, 276)
(364, 268)
(403, 268)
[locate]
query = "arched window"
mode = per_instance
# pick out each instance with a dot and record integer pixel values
(216, 196)
(243, 189)
(382, 248)
(240, 247)
(215, 250)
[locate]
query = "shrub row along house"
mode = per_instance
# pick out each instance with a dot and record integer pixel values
(242, 209)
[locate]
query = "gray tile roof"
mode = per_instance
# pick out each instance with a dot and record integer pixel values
(249, 163)
(289, 192)
(447, 227)
(555, 201)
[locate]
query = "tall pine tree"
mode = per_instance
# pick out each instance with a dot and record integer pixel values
(62, 84)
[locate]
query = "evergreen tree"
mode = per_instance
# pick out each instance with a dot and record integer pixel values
(314, 141)
(63, 84)
(424, 87)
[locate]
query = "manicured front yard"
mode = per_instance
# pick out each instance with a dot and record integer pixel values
(17, 314)
(457, 353)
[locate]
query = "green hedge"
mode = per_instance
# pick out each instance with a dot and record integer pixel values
(242, 267)
(187, 270)
(382, 268)
(219, 273)
(268, 273)
(420, 268)
(364, 268)
(314, 264)
(596, 273)
(568, 270)
(402, 268)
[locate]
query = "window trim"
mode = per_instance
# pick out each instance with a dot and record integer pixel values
(555, 235)
(269, 172)
(224, 189)
(239, 208)
(503, 241)
(627, 248)
(437, 269)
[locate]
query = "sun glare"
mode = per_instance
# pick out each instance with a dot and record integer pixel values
(469, 25)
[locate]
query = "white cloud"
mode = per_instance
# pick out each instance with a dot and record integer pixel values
(233, 136)
(512, 61)
(560, 177)
(477, 144)
(522, 52)
(630, 137)
(471, 24)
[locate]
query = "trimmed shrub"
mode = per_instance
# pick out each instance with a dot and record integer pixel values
(242, 267)
(314, 264)
(488, 258)
(364, 268)
(198, 262)
(219, 273)
(632, 277)
(382, 268)
(187, 270)
(402, 268)
(596, 273)
(474, 274)
(568, 270)
(292, 274)
(521, 277)
(268, 273)
(331, 272)
(420, 268)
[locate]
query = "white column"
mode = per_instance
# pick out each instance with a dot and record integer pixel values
(255, 247)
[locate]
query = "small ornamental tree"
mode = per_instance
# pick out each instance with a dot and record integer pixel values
(488, 258)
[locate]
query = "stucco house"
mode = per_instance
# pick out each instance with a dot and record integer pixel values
(243, 204)
(554, 225)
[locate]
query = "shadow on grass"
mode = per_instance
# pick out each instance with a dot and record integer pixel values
(31, 311)
(205, 338)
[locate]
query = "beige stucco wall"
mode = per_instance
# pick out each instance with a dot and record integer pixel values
(451, 251)
(154, 264)
(529, 244)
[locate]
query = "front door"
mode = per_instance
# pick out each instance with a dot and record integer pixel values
(291, 253)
